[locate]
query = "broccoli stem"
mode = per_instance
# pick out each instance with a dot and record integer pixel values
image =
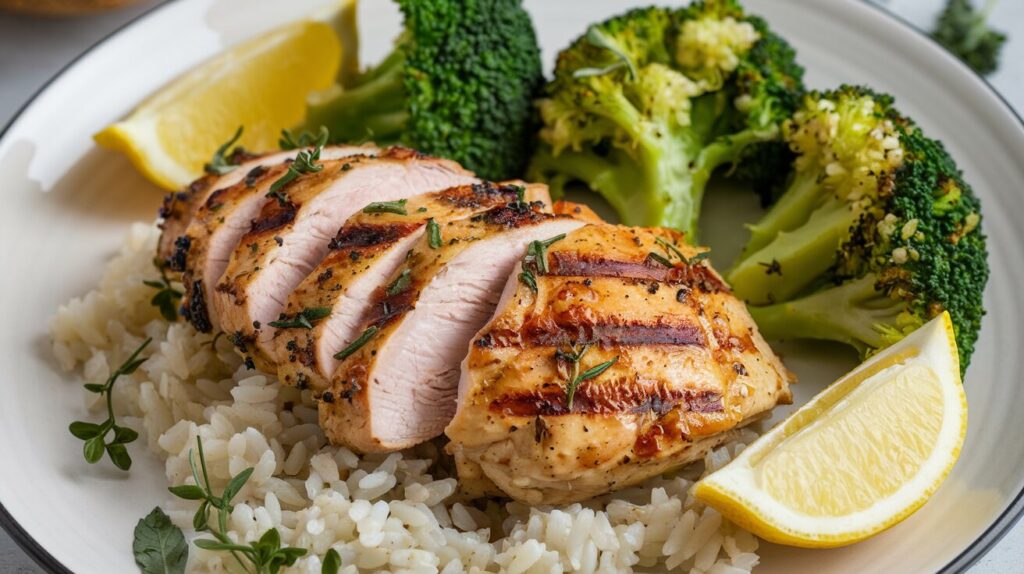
(374, 109)
(794, 260)
(855, 313)
(792, 210)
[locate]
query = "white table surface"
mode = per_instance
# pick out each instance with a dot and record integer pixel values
(34, 49)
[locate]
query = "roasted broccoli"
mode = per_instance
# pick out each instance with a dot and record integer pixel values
(459, 84)
(964, 31)
(646, 105)
(875, 233)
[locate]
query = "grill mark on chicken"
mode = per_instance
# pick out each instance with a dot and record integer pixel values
(387, 308)
(272, 216)
(576, 264)
(478, 195)
(179, 256)
(606, 398)
(513, 215)
(371, 234)
(195, 310)
(571, 329)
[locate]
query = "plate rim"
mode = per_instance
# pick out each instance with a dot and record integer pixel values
(981, 545)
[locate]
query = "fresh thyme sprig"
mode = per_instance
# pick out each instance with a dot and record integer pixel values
(396, 207)
(221, 163)
(265, 556)
(574, 356)
(306, 139)
(671, 251)
(304, 319)
(95, 435)
(535, 262)
(305, 162)
(167, 297)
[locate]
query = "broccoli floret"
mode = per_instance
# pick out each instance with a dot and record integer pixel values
(875, 234)
(965, 32)
(459, 84)
(645, 106)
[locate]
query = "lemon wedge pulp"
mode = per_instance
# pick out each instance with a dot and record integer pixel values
(860, 457)
(261, 84)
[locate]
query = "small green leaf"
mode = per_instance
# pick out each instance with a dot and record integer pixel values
(93, 449)
(433, 234)
(400, 284)
(124, 435)
(84, 430)
(95, 388)
(660, 259)
(396, 207)
(211, 544)
(331, 563)
(119, 456)
(271, 539)
(202, 516)
(357, 344)
(159, 546)
(236, 485)
(188, 491)
(219, 164)
(527, 278)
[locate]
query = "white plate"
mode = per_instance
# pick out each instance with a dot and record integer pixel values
(67, 205)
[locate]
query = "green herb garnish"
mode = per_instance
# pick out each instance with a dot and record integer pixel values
(535, 262)
(95, 435)
(357, 344)
(306, 139)
(433, 234)
(220, 163)
(671, 251)
(265, 556)
(397, 207)
(401, 283)
(305, 162)
(304, 319)
(159, 546)
(167, 297)
(574, 356)
(331, 563)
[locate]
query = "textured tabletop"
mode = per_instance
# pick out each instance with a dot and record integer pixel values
(32, 50)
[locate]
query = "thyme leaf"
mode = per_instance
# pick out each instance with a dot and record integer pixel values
(397, 207)
(167, 298)
(305, 139)
(263, 556)
(221, 162)
(95, 435)
(305, 162)
(304, 319)
(574, 356)
(401, 283)
(357, 344)
(433, 234)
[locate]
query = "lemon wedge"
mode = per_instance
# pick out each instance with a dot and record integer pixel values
(858, 458)
(261, 84)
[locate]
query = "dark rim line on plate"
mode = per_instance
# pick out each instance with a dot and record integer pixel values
(992, 535)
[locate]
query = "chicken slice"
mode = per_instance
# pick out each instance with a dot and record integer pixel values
(326, 311)
(397, 386)
(664, 362)
(218, 225)
(291, 235)
(180, 208)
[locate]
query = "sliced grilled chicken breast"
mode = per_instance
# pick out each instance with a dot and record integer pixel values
(326, 311)
(397, 384)
(291, 235)
(660, 360)
(218, 225)
(180, 208)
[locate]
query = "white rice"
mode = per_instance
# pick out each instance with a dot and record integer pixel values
(382, 513)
